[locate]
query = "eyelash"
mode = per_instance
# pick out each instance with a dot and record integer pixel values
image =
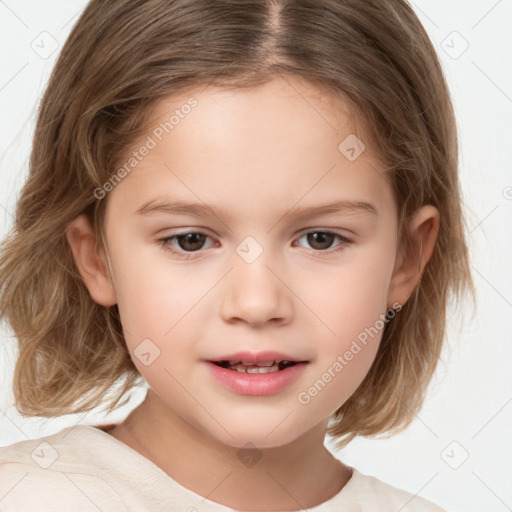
(166, 242)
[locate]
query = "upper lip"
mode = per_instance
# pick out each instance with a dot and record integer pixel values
(257, 357)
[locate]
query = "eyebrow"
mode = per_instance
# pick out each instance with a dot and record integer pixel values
(170, 207)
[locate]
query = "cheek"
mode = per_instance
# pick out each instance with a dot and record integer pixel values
(350, 297)
(152, 293)
(352, 302)
(165, 311)
(157, 309)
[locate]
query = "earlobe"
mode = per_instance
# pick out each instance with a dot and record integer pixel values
(423, 228)
(91, 265)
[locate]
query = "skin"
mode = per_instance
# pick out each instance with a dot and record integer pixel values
(259, 154)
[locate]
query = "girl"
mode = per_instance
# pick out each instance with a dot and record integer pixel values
(254, 208)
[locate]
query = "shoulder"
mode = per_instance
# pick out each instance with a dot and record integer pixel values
(48, 474)
(376, 495)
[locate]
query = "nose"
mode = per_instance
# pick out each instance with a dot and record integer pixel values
(256, 293)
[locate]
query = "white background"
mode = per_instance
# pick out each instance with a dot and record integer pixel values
(468, 412)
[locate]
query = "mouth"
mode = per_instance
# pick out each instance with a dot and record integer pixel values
(249, 367)
(259, 374)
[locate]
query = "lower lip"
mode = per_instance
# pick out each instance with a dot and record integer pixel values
(256, 383)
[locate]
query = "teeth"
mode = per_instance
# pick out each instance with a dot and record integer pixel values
(249, 363)
(250, 367)
(256, 369)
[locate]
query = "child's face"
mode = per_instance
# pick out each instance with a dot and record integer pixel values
(255, 281)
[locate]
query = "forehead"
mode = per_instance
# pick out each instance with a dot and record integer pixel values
(284, 141)
(282, 110)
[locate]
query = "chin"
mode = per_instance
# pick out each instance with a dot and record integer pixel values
(256, 434)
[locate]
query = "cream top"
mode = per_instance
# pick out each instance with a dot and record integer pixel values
(84, 469)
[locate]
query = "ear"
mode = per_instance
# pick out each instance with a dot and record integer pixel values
(91, 263)
(422, 228)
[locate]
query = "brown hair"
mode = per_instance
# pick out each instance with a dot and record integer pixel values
(120, 59)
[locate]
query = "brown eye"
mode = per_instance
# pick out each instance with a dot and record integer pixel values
(191, 241)
(323, 240)
(185, 243)
(320, 240)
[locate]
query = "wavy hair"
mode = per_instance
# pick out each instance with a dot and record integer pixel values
(119, 61)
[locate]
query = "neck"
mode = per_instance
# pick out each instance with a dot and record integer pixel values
(301, 474)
